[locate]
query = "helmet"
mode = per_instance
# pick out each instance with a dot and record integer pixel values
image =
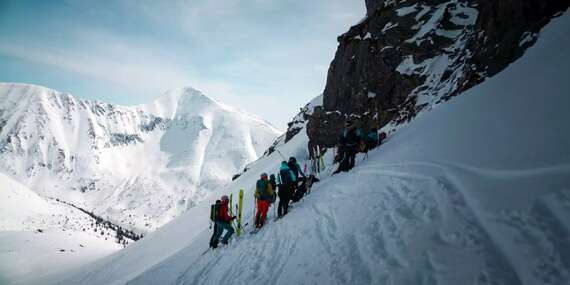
(263, 175)
(225, 198)
(292, 159)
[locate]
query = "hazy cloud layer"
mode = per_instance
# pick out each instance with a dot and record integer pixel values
(268, 57)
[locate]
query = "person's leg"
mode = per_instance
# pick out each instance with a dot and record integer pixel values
(280, 207)
(229, 231)
(213, 241)
(343, 165)
(286, 206)
(217, 233)
(351, 156)
(258, 214)
(264, 208)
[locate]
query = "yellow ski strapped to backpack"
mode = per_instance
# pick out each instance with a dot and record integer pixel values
(240, 204)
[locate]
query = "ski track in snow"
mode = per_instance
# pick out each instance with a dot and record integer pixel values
(414, 201)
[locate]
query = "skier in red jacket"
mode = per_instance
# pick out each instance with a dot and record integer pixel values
(223, 222)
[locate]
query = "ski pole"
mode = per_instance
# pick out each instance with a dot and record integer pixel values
(279, 152)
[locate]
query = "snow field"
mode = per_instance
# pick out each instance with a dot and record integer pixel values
(34, 258)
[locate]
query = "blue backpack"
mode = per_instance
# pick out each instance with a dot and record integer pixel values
(285, 174)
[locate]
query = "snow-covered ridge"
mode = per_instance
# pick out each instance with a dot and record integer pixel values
(138, 166)
(189, 100)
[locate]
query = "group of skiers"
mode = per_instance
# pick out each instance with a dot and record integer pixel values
(353, 140)
(290, 185)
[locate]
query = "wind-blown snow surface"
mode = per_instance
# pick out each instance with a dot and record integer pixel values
(137, 166)
(476, 191)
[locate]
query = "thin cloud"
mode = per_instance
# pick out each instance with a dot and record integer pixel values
(257, 55)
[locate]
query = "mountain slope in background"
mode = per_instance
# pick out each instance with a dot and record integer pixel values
(40, 238)
(453, 197)
(138, 166)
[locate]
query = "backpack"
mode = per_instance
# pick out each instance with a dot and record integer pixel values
(215, 211)
(285, 177)
(262, 186)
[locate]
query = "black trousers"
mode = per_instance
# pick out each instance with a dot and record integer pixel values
(213, 239)
(284, 198)
(347, 162)
(283, 207)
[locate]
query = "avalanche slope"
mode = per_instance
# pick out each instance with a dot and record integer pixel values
(475, 191)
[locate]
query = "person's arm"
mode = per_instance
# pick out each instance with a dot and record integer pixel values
(301, 171)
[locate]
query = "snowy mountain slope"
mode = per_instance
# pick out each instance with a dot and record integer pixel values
(22, 209)
(469, 192)
(137, 166)
(32, 257)
(34, 230)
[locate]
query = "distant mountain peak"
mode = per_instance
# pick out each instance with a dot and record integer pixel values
(159, 158)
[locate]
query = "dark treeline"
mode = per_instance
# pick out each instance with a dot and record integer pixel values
(122, 235)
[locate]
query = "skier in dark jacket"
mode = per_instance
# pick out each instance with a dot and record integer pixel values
(223, 222)
(372, 139)
(263, 194)
(298, 190)
(349, 141)
(296, 168)
(285, 181)
(273, 186)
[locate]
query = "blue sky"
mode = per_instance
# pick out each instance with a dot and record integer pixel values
(268, 57)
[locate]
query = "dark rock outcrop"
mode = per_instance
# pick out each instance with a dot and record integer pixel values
(405, 57)
(372, 5)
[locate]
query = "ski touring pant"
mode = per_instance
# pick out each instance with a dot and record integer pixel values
(347, 162)
(284, 198)
(262, 207)
(283, 207)
(219, 229)
(214, 239)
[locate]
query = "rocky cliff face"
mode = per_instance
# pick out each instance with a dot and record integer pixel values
(406, 56)
(372, 5)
